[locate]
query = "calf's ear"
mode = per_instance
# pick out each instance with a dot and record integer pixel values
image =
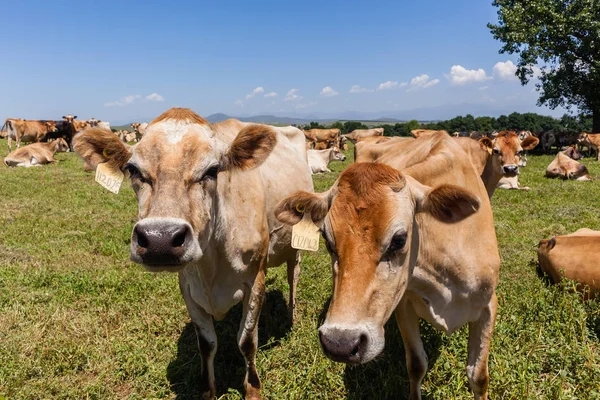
(250, 148)
(529, 142)
(97, 145)
(446, 203)
(290, 210)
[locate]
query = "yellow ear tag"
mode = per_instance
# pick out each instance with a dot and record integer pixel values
(489, 150)
(109, 177)
(305, 234)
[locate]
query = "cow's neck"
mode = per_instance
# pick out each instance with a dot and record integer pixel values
(490, 177)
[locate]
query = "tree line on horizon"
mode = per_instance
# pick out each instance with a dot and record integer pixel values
(532, 122)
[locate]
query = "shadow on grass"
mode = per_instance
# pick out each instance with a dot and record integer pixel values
(386, 377)
(185, 371)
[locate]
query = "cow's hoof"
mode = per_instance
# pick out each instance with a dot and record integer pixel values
(253, 394)
(208, 395)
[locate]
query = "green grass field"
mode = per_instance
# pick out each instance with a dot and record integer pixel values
(78, 320)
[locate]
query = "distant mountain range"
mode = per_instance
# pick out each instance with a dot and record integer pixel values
(274, 119)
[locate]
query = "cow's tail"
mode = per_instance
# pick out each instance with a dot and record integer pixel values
(6, 125)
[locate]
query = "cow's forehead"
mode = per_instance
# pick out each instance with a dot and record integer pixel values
(175, 142)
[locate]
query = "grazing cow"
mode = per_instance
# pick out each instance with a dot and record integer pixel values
(27, 131)
(322, 135)
(418, 132)
(139, 129)
(319, 160)
(416, 240)
(497, 158)
(36, 154)
(359, 134)
(565, 167)
(206, 196)
(575, 257)
(591, 141)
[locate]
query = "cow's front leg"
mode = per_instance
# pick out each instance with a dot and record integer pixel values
(248, 333)
(480, 338)
(207, 340)
(416, 358)
(293, 275)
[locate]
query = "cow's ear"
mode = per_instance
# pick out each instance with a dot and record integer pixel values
(64, 117)
(446, 203)
(97, 145)
(75, 117)
(291, 209)
(529, 142)
(250, 148)
(486, 143)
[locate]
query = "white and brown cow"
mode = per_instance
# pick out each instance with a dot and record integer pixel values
(411, 236)
(564, 167)
(36, 154)
(591, 141)
(575, 257)
(319, 160)
(28, 131)
(139, 129)
(206, 196)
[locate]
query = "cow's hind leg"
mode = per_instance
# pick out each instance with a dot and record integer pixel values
(207, 341)
(480, 337)
(416, 358)
(293, 275)
(248, 333)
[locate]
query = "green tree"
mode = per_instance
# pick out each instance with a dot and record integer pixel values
(349, 126)
(563, 36)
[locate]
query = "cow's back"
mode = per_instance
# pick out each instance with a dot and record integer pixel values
(575, 257)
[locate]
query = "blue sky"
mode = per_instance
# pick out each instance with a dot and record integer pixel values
(120, 60)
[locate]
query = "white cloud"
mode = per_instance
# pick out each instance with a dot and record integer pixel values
(328, 92)
(239, 103)
(505, 71)
(358, 89)
(387, 85)
(312, 103)
(484, 88)
(292, 96)
(271, 94)
(459, 75)
(422, 82)
(123, 101)
(256, 91)
(154, 97)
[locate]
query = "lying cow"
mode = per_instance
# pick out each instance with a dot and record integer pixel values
(36, 154)
(359, 134)
(411, 236)
(575, 257)
(28, 131)
(565, 167)
(206, 195)
(319, 160)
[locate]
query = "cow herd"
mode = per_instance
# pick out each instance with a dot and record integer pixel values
(409, 227)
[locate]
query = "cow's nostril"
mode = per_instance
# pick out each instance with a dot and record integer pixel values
(142, 240)
(179, 238)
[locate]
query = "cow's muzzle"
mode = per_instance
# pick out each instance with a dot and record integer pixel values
(510, 170)
(163, 243)
(344, 345)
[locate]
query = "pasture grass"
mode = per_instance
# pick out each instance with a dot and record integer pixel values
(78, 320)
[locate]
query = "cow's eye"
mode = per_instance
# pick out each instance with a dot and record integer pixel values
(134, 173)
(211, 173)
(496, 150)
(398, 242)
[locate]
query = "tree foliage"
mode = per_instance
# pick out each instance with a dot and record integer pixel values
(563, 37)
